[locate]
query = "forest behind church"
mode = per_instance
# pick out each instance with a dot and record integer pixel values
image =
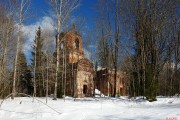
(138, 37)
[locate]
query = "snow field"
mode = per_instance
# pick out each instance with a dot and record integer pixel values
(22, 108)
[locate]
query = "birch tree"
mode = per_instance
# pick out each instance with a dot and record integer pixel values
(62, 10)
(109, 36)
(22, 8)
(149, 22)
(6, 34)
(48, 51)
(117, 39)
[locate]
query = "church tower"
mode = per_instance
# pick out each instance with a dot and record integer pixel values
(76, 70)
(72, 41)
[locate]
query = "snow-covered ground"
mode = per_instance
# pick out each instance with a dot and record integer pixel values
(22, 108)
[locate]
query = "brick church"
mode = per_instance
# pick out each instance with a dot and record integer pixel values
(79, 70)
(80, 77)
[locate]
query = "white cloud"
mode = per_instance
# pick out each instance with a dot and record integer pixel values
(91, 46)
(87, 54)
(29, 31)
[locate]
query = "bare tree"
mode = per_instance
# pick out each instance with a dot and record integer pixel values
(6, 34)
(62, 10)
(34, 70)
(47, 49)
(109, 36)
(149, 22)
(22, 8)
(117, 37)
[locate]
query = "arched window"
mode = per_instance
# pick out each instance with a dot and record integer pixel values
(77, 44)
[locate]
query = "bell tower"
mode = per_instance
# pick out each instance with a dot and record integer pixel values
(72, 41)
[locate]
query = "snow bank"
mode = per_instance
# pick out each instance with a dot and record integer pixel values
(99, 93)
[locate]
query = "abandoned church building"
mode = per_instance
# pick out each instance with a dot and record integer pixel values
(105, 82)
(77, 72)
(76, 69)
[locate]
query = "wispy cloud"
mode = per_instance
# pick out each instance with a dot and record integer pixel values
(29, 31)
(87, 54)
(91, 46)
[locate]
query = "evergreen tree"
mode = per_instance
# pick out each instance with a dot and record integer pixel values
(37, 54)
(24, 77)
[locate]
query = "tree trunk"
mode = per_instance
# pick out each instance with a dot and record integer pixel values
(17, 53)
(116, 48)
(34, 93)
(57, 50)
(47, 79)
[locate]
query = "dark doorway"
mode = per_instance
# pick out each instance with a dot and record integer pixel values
(84, 89)
(121, 91)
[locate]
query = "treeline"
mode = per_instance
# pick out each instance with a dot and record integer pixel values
(143, 37)
(155, 33)
(140, 37)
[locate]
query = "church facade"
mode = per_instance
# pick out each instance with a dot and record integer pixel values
(79, 70)
(78, 78)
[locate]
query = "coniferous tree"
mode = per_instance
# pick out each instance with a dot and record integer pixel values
(24, 83)
(37, 63)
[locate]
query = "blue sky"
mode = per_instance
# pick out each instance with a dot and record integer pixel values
(40, 8)
(39, 11)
